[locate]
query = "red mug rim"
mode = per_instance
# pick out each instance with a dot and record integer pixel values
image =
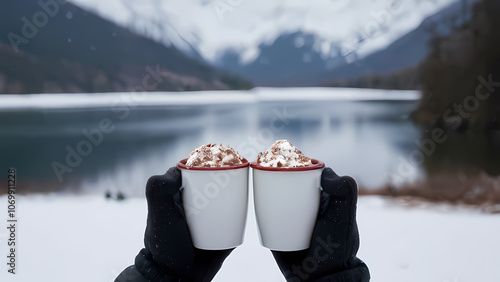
(182, 165)
(315, 165)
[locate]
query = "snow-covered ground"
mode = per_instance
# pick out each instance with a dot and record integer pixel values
(86, 238)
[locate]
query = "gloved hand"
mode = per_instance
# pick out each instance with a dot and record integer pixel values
(335, 240)
(169, 254)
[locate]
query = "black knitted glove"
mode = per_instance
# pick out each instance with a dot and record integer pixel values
(335, 240)
(169, 254)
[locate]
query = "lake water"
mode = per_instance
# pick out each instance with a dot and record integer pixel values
(361, 133)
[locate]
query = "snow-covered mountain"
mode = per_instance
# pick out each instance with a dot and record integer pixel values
(236, 34)
(287, 61)
(410, 49)
(212, 26)
(78, 51)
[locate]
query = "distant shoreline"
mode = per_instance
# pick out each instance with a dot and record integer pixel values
(154, 99)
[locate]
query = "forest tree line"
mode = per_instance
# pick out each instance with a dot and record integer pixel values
(460, 79)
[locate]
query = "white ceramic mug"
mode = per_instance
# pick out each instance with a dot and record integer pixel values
(286, 204)
(215, 201)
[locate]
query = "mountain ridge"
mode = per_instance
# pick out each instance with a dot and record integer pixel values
(408, 50)
(248, 28)
(73, 50)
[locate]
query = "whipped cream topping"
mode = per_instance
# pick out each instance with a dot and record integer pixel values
(283, 154)
(213, 155)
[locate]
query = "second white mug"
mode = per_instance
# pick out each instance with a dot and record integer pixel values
(286, 202)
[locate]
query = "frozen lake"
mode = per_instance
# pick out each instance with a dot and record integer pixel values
(90, 143)
(129, 138)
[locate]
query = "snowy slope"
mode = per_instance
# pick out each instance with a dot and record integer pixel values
(410, 49)
(69, 238)
(210, 27)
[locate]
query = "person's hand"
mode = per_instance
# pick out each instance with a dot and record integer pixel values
(335, 240)
(169, 254)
